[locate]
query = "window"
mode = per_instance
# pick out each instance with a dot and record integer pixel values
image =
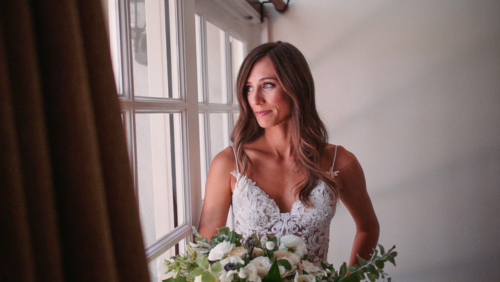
(178, 106)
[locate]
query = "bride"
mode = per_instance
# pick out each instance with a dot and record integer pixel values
(281, 176)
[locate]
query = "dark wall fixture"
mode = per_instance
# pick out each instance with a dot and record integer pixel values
(279, 5)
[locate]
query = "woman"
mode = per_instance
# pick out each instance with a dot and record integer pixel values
(281, 176)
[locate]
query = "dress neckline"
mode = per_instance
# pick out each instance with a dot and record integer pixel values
(249, 181)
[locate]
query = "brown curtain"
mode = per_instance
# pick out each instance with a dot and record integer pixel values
(67, 206)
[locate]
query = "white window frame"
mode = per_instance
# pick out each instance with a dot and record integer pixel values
(187, 103)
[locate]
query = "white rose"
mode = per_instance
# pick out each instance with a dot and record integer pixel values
(270, 245)
(283, 271)
(309, 267)
(263, 264)
(243, 273)
(294, 259)
(304, 278)
(293, 242)
(220, 250)
(197, 279)
(253, 275)
(238, 252)
(257, 252)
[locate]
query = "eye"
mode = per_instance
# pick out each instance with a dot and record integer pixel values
(247, 89)
(268, 85)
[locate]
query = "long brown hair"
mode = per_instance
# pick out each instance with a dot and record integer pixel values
(309, 135)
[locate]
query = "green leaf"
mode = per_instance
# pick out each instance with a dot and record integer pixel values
(394, 254)
(391, 259)
(353, 268)
(196, 272)
(207, 277)
(362, 261)
(382, 251)
(216, 268)
(178, 279)
(391, 249)
(195, 232)
(323, 265)
(372, 270)
(374, 255)
(284, 263)
(274, 273)
(372, 277)
(379, 264)
(343, 270)
(232, 236)
(202, 262)
(224, 231)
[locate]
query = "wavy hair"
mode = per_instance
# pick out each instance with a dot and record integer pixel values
(309, 135)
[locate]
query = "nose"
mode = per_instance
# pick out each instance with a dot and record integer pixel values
(255, 97)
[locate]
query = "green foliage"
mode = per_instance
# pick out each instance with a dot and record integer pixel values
(186, 268)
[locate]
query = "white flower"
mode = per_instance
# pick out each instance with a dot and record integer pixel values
(304, 278)
(309, 267)
(220, 250)
(253, 275)
(294, 259)
(197, 279)
(293, 242)
(270, 245)
(257, 252)
(263, 264)
(243, 273)
(238, 252)
(232, 259)
(283, 271)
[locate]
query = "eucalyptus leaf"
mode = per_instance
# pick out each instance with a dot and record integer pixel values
(207, 277)
(216, 268)
(196, 272)
(202, 262)
(362, 261)
(382, 251)
(391, 259)
(379, 264)
(353, 268)
(343, 270)
(372, 270)
(371, 277)
(224, 230)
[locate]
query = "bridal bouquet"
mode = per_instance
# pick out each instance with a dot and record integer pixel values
(230, 257)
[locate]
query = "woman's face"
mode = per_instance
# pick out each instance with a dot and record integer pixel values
(268, 100)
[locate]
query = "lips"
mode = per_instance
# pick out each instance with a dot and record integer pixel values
(262, 113)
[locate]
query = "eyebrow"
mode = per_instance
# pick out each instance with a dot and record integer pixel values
(267, 77)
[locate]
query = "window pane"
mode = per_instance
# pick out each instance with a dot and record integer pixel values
(159, 172)
(155, 266)
(219, 136)
(199, 57)
(203, 155)
(111, 12)
(237, 57)
(216, 61)
(155, 55)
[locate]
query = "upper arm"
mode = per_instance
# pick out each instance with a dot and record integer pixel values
(353, 193)
(217, 193)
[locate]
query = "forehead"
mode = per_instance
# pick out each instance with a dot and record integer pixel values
(262, 68)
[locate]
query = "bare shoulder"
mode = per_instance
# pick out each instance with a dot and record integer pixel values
(346, 164)
(344, 158)
(224, 160)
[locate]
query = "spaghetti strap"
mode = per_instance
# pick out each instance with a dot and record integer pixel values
(334, 157)
(236, 159)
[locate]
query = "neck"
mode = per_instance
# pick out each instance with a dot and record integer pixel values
(279, 140)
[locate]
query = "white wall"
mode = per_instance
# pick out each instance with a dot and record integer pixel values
(413, 89)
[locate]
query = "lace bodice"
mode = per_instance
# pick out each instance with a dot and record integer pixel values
(255, 212)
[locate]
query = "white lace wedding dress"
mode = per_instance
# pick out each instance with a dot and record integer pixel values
(255, 212)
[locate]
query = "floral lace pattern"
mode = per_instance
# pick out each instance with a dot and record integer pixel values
(255, 212)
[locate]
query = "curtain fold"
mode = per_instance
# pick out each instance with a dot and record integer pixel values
(67, 198)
